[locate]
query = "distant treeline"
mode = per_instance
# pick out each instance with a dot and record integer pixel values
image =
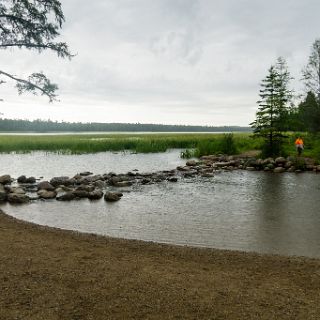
(9, 125)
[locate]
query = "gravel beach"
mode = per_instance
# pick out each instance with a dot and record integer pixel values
(49, 274)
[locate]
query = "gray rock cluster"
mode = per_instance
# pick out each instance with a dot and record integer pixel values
(277, 165)
(94, 187)
(82, 185)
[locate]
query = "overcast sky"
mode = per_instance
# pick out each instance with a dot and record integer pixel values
(194, 62)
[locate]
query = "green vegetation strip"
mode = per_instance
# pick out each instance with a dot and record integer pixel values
(77, 144)
(193, 144)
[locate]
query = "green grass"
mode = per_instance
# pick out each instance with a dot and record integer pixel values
(194, 144)
(77, 144)
(311, 145)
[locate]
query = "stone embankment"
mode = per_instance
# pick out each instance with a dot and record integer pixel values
(94, 187)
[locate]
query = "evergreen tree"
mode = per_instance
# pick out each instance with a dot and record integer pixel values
(271, 117)
(32, 25)
(309, 113)
(311, 73)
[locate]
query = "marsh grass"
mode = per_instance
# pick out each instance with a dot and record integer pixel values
(201, 144)
(224, 144)
(195, 145)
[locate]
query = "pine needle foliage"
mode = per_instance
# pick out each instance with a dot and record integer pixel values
(272, 115)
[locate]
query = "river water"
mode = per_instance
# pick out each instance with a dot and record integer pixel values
(239, 210)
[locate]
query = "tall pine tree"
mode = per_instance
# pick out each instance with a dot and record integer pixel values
(271, 117)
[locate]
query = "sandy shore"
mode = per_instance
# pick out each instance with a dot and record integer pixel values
(53, 274)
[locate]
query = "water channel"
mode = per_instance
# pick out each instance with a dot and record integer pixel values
(239, 210)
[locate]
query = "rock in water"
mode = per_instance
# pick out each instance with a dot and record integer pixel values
(57, 181)
(112, 196)
(66, 197)
(5, 179)
(191, 163)
(31, 180)
(17, 198)
(95, 195)
(45, 185)
(81, 193)
(22, 179)
(45, 194)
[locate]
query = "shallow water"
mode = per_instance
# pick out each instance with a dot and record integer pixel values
(242, 210)
(48, 165)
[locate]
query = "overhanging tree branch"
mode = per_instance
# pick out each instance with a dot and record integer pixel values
(32, 25)
(60, 47)
(37, 82)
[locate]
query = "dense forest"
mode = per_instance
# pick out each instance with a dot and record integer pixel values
(9, 125)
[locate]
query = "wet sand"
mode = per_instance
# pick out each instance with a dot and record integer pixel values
(53, 274)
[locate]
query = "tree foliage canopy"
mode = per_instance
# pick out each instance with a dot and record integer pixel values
(32, 25)
(311, 73)
(271, 117)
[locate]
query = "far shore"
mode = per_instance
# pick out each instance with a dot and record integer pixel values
(48, 273)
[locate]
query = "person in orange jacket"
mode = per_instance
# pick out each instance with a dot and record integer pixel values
(299, 145)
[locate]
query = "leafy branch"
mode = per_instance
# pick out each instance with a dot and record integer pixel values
(32, 25)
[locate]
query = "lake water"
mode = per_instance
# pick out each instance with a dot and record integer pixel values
(239, 210)
(48, 165)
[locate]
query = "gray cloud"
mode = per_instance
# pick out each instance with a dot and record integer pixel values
(167, 61)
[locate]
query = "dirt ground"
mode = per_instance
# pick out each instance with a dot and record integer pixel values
(54, 274)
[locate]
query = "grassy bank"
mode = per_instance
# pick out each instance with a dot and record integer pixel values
(195, 145)
(77, 144)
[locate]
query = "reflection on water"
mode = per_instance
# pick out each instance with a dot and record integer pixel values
(242, 210)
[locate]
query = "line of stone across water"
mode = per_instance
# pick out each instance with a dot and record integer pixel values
(94, 187)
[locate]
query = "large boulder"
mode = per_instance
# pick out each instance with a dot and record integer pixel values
(31, 180)
(84, 187)
(45, 185)
(17, 190)
(114, 179)
(191, 163)
(267, 161)
(17, 198)
(101, 184)
(112, 196)
(45, 194)
(5, 179)
(57, 181)
(89, 179)
(66, 197)
(251, 162)
(22, 179)
(279, 169)
(81, 193)
(280, 161)
(95, 194)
